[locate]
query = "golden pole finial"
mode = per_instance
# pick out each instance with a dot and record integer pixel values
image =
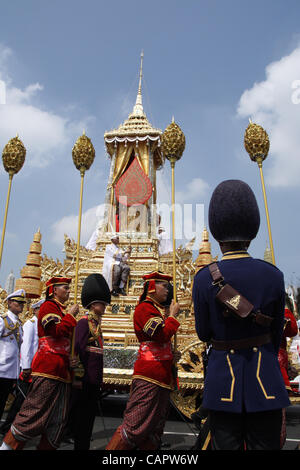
(13, 157)
(257, 144)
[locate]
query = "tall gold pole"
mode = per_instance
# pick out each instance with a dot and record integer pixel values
(83, 154)
(172, 161)
(173, 230)
(173, 145)
(259, 162)
(5, 215)
(82, 172)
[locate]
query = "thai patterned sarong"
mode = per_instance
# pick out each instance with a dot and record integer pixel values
(146, 413)
(44, 411)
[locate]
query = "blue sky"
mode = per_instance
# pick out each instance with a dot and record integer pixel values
(69, 66)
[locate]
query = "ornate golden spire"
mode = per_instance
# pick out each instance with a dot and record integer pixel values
(268, 254)
(204, 257)
(137, 124)
(138, 107)
(30, 279)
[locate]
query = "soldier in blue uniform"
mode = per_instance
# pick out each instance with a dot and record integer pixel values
(244, 390)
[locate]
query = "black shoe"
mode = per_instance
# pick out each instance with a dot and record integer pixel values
(114, 293)
(122, 291)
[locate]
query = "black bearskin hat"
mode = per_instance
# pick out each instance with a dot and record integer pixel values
(233, 212)
(95, 288)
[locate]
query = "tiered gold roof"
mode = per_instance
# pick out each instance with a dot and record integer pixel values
(268, 255)
(30, 279)
(205, 257)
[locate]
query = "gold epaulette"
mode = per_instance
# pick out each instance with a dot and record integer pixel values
(50, 317)
(151, 325)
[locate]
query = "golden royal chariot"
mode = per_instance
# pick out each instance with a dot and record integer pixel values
(135, 151)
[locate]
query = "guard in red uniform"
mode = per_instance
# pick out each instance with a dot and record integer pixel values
(290, 330)
(44, 411)
(147, 408)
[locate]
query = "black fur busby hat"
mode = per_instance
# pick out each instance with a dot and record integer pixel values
(233, 212)
(95, 288)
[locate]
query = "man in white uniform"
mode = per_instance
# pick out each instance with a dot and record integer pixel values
(28, 349)
(115, 268)
(164, 245)
(30, 340)
(11, 334)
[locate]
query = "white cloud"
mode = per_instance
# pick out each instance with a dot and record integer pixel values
(274, 104)
(195, 191)
(69, 225)
(189, 208)
(44, 133)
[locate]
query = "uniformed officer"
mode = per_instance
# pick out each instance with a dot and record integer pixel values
(10, 341)
(28, 349)
(244, 389)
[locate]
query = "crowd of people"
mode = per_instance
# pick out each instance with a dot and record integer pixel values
(56, 358)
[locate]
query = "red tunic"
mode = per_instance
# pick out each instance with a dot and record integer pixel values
(290, 330)
(154, 332)
(55, 331)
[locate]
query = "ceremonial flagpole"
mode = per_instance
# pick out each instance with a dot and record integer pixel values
(83, 154)
(172, 161)
(13, 158)
(257, 145)
(82, 172)
(5, 215)
(173, 145)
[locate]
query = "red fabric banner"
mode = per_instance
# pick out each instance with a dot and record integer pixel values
(135, 185)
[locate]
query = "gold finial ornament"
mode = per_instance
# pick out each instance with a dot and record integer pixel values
(173, 142)
(256, 141)
(257, 144)
(13, 155)
(83, 153)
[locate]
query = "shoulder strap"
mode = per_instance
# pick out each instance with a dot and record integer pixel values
(233, 301)
(215, 273)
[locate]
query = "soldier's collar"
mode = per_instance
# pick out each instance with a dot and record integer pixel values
(61, 305)
(235, 255)
(160, 307)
